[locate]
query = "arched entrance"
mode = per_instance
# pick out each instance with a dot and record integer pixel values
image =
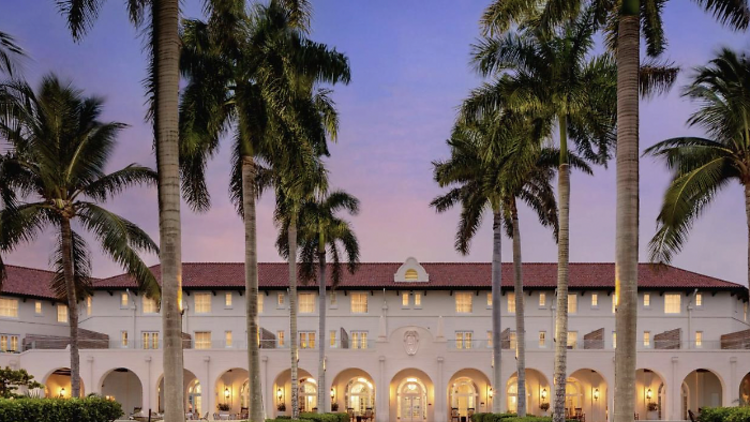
(745, 390)
(57, 384)
(282, 388)
(123, 386)
(192, 391)
(232, 390)
(537, 393)
(700, 388)
(411, 396)
(650, 395)
(586, 394)
(468, 393)
(308, 394)
(353, 391)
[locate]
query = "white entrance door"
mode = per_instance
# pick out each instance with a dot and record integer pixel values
(411, 408)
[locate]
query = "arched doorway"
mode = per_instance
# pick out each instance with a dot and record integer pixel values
(192, 391)
(123, 386)
(701, 388)
(537, 393)
(353, 390)
(468, 393)
(745, 391)
(586, 394)
(308, 394)
(411, 396)
(650, 395)
(282, 388)
(57, 384)
(232, 390)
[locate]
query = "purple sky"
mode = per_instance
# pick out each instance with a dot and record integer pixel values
(409, 72)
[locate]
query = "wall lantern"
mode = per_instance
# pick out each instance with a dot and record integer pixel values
(649, 394)
(492, 393)
(226, 393)
(543, 394)
(596, 394)
(62, 392)
(279, 394)
(333, 393)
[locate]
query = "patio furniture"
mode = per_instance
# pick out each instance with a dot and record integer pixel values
(369, 415)
(454, 415)
(350, 412)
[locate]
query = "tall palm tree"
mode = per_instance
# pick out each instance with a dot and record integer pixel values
(701, 167)
(623, 20)
(553, 77)
(163, 90)
(59, 149)
(10, 53)
(321, 234)
(258, 72)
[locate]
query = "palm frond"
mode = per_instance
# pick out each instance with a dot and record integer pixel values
(81, 270)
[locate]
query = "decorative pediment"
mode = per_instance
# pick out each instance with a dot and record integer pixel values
(411, 272)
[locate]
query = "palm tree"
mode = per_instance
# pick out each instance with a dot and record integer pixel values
(10, 52)
(701, 167)
(321, 234)
(551, 77)
(259, 73)
(59, 149)
(163, 90)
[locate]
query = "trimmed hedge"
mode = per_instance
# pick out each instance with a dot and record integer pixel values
(725, 414)
(325, 417)
(491, 417)
(90, 409)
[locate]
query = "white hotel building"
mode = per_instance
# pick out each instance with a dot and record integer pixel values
(410, 340)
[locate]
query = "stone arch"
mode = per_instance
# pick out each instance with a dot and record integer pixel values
(282, 389)
(57, 383)
(232, 388)
(124, 386)
(587, 392)
(650, 394)
(354, 389)
(538, 391)
(193, 393)
(469, 391)
(412, 393)
(700, 388)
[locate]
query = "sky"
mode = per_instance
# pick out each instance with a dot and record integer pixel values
(410, 71)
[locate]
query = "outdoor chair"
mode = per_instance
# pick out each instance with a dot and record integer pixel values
(350, 412)
(369, 415)
(454, 415)
(691, 416)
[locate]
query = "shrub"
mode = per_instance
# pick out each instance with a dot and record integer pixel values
(725, 414)
(90, 409)
(325, 417)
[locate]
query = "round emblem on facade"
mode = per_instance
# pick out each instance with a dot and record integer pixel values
(411, 342)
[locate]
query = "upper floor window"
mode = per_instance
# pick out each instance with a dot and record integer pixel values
(150, 340)
(542, 339)
(614, 303)
(307, 339)
(699, 339)
(594, 300)
(672, 303)
(511, 303)
(359, 339)
(418, 300)
(62, 312)
(542, 299)
(405, 300)
(280, 300)
(489, 300)
(38, 307)
(572, 339)
(8, 307)
(359, 303)
(332, 336)
(463, 339)
(88, 305)
(572, 303)
(646, 300)
(124, 300)
(149, 305)
(334, 299)
(306, 303)
(260, 303)
(489, 339)
(647, 339)
(463, 303)
(202, 339)
(699, 300)
(411, 275)
(512, 341)
(614, 339)
(280, 338)
(123, 339)
(203, 303)
(228, 299)
(227, 339)
(8, 343)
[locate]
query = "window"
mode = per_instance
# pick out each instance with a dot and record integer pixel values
(672, 303)
(227, 339)
(280, 300)
(572, 304)
(359, 303)
(542, 300)
(411, 275)
(124, 300)
(202, 339)
(463, 303)
(62, 313)
(572, 339)
(699, 339)
(417, 300)
(280, 338)
(405, 300)
(38, 308)
(463, 339)
(614, 340)
(9, 307)
(228, 300)
(647, 339)
(489, 300)
(150, 340)
(260, 303)
(307, 339)
(489, 339)
(149, 305)
(511, 303)
(88, 306)
(334, 299)
(699, 300)
(8, 343)
(512, 340)
(646, 300)
(542, 339)
(359, 339)
(306, 303)
(123, 339)
(332, 335)
(203, 303)
(614, 304)
(594, 300)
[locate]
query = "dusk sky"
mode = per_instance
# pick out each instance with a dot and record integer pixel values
(410, 70)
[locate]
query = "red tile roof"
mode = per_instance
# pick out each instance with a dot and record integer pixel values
(25, 281)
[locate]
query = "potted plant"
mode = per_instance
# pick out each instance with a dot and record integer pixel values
(223, 409)
(653, 411)
(544, 407)
(334, 407)
(281, 407)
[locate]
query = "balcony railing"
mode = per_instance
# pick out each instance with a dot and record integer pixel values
(483, 345)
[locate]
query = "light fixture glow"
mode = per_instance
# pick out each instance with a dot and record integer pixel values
(62, 392)
(649, 394)
(333, 392)
(492, 393)
(596, 394)
(544, 393)
(226, 392)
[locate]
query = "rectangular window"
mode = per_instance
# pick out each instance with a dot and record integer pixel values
(542, 339)
(62, 313)
(489, 339)
(280, 300)
(307, 339)
(9, 307)
(614, 304)
(542, 300)
(647, 339)
(332, 335)
(38, 308)
(8, 343)
(88, 306)
(280, 338)
(306, 303)
(511, 303)
(614, 340)
(699, 339)
(463, 339)
(202, 339)
(124, 300)
(672, 303)
(594, 300)
(334, 299)
(417, 300)
(489, 300)
(512, 340)
(150, 340)
(463, 303)
(359, 339)
(405, 300)
(699, 300)
(359, 303)
(572, 339)
(228, 299)
(123, 339)
(646, 300)
(227, 338)
(260, 303)
(149, 305)
(202, 303)
(572, 303)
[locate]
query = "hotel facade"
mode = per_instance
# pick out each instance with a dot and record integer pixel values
(410, 341)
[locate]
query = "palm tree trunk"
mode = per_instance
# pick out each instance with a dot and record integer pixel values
(66, 239)
(626, 250)
(520, 323)
(497, 276)
(322, 325)
(563, 257)
(293, 336)
(251, 287)
(747, 213)
(165, 15)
